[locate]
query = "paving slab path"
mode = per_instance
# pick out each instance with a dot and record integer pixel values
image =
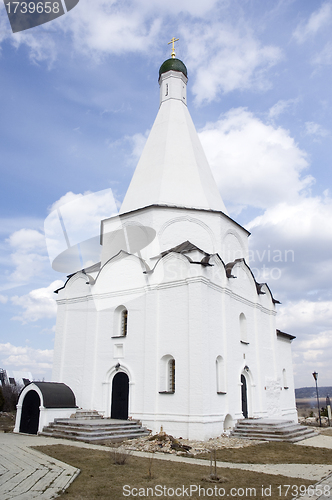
(27, 474)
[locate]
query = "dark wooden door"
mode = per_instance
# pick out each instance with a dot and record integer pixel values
(244, 395)
(30, 413)
(120, 392)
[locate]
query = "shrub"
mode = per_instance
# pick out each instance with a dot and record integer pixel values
(2, 399)
(10, 394)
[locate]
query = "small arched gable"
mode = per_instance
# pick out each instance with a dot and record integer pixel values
(244, 283)
(196, 231)
(122, 272)
(232, 247)
(171, 267)
(77, 285)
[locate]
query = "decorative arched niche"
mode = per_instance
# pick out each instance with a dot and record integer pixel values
(228, 423)
(284, 379)
(243, 329)
(220, 375)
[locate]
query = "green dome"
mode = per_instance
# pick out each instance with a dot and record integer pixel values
(174, 65)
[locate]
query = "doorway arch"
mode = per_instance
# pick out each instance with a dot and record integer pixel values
(30, 413)
(244, 396)
(120, 396)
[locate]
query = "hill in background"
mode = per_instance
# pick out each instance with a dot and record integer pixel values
(310, 392)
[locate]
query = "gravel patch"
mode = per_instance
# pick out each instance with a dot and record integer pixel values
(164, 443)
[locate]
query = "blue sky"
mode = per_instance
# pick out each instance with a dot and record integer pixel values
(78, 97)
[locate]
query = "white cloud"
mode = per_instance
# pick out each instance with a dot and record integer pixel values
(3, 299)
(29, 255)
(318, 20)
(192, 7)
(4, 25)
(254, 162)
(281, 107)
(138, 143)
(26, 239)
(259, 165)
(226, 58)
(323, 58)
(36, 361)
(134, 144)
(299, 233)
(312, 128)
(106, 27)
(311, 323)
(75, 219)
(37, 304)
(309, 318)
(97, 27)
(40, 48)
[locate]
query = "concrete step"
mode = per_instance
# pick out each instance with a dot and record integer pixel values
(94, 433)
(91, 428)
(94, 430)
(278, 431)
(87, 414)
(272, 430)
(88, 438)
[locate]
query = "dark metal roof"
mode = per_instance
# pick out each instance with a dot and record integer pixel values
(285, 335)
(56, 395)
(174, 65)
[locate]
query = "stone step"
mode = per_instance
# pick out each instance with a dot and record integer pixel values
(87, 414)
(273, 430)
(87, 438)
(94, 430)
(264, 422)
(272, 437)
(279, 430)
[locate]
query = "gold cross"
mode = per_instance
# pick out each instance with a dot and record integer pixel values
(173, 48)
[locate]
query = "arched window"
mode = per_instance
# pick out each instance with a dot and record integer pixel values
(220, 375)
(243, 329)
(284, 378)
(167, 375)
(120, 328)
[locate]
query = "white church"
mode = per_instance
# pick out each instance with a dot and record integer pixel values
(171, 327)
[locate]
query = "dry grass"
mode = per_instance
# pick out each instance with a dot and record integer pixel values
(101, 479)
(274, 453)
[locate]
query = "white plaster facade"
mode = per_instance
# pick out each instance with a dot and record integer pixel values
(173, 269)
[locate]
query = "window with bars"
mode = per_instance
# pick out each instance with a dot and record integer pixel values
(120, 322)
(124, 322)
(171, 375)
(167, 375)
